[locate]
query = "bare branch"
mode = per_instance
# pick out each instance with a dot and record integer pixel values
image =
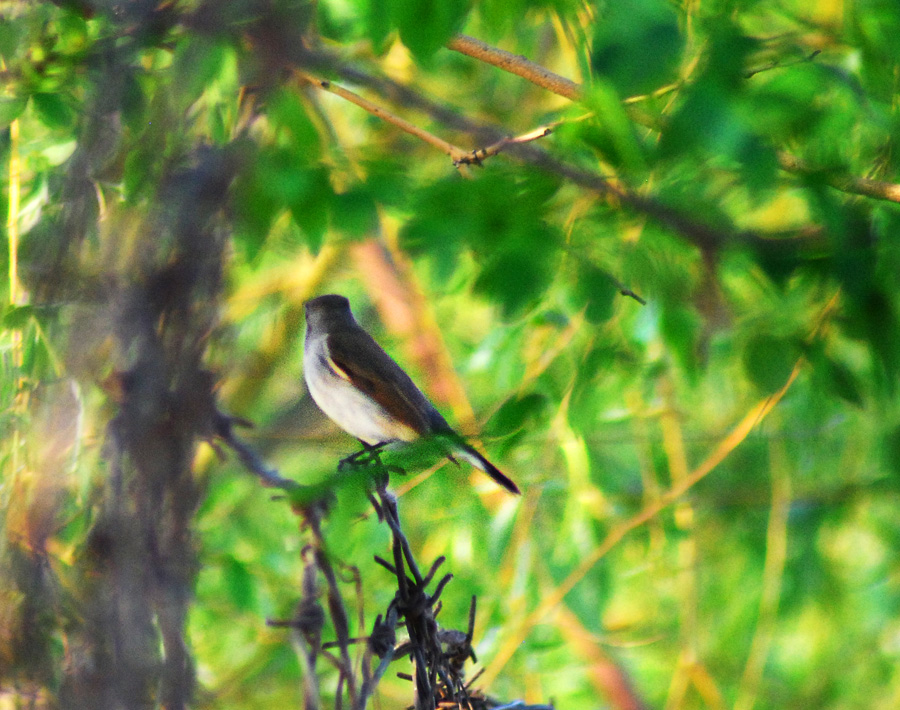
(778, 64)
(877, 189)
(381, 629)
(478, 155)
(516, 64)
(335, 604)
(248, 457)
(456, 154)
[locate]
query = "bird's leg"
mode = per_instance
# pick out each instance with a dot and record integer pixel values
(364, 456)
(370, 455)
(375, 458)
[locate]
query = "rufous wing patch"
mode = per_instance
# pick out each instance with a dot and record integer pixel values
(337, 369)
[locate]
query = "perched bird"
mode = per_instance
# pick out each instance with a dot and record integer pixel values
(366, 393)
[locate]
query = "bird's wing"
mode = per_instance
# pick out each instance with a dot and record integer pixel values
(357, 358)
(363, 363)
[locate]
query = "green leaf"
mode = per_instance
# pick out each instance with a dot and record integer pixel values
(835, 377)
(388, 182)
(769, 360)
(311, 205)
(680, 327)
(515, 413)
(515, 279)
(637, 45)
(378, 23)
(134, 102)
(11, 33)
(11, 109)
(354, 213)
(198, 63)
(278, 179)
(17, 317)
(587, 397)
(426, 25)
(890, 447)
(710, 117)
(611, 132)
(53, 110)
(239, 583)
(285, 109)
(596, 290)
(759, 164)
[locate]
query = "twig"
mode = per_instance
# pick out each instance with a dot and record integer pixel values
(410, 597)
(369, 684)
(457, 155)
(307, 625)
(251, 460)
(867, 187)
(702, 235)
(631, 294)
(478, 155)
(778, 64)
(438, 655)
(352, 576)
(335, 604)
(516, 64)
(402, 95)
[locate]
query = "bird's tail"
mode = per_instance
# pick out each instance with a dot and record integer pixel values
(475, 458)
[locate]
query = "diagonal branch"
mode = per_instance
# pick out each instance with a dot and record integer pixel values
(516, 64)
(457, 155)
(478, 155)
(867, 187)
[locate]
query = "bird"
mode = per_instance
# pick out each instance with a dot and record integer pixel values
(366, 393)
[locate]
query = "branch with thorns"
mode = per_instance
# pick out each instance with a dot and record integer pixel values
(438, 655)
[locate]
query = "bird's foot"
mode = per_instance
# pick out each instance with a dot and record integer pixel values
(369, 454)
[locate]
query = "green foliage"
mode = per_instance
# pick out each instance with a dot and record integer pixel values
(426, 25)
(725, 143)
(769, 360)
(637, 46)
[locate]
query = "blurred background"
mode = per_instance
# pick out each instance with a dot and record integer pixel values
(668, 310)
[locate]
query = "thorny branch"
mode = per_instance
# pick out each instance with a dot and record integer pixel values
(438, 655)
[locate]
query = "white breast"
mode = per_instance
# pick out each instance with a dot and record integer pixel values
(351, 409)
